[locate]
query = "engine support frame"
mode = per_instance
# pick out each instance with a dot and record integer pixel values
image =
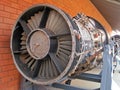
(105, 77)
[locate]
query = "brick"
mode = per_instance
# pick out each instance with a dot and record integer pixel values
(4, 26)
(5, 56)
(4, 44)
(19, 12)
(3, 86)
(5, 62)
(4, 14)
(29, 1)
(1, 32)
(14, 82)
(11, 27)
(8, 67)
(4, 38)
(11, 87)
(1, 7)
(13, 72)
(7, 32)
(15, 1)
(17, 76)
(8, 21)
(24, 4)
(17, 86)
(15, 5)
(10, 9)
(16, 72)
(5, 2)
(7, 79)
(4, 50)
(3, 74)
(14, 16)
(1, 19)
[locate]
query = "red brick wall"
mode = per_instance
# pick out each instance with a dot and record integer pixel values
(10, 10)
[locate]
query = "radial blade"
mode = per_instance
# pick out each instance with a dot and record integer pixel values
(38, 17)
(50, 69)
(46, 68)
(24, 56)
(24, 52)
(59, 35)
(30, 63)
(50, 18)
(34, 21)
(64, 63)
(23, 38)
(62, 29)
(28, 24)
(44, 17)
(23, 43)
(20, 52)
(17, 52)
(40, 70)
(33, 65)
(54, 21)
(28, 59)
(23, 34)
(54, 70)
(24, 26)
(66, 47)
(64, 60)
(65, 51)
(58, 23)
(23, 48)
(36, 68)
(66, 43)
(31, 24)
(65, 38)
(63, 55)
(43, 69)
(57, 62)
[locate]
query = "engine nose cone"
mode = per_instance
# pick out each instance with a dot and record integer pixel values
(38, 44)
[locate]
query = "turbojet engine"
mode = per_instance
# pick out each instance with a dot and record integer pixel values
(48, 45)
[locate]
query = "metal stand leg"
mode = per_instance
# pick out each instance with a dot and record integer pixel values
(106, 80)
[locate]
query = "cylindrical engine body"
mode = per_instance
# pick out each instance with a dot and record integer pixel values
(48, 45)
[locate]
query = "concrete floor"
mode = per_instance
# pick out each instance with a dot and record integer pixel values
(93, 85)
(116, 76)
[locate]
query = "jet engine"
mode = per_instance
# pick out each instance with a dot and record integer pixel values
(48, 45)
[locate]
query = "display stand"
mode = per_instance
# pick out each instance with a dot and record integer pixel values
(105, 78)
